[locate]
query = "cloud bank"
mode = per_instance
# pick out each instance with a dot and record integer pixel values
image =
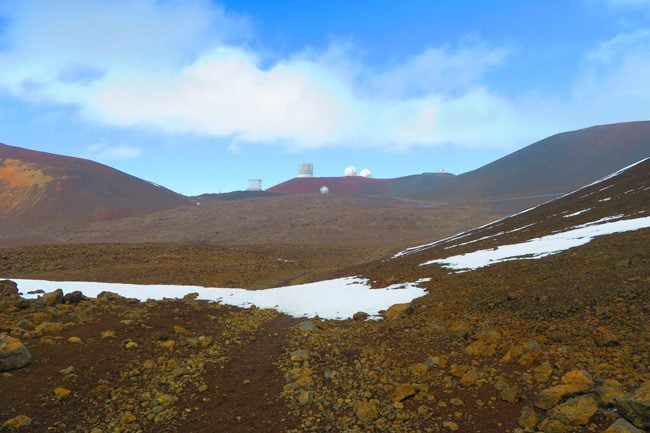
(185, 67)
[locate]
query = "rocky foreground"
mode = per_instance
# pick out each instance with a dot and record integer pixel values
(555, 345)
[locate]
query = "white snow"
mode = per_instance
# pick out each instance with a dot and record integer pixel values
(543, 246)
(330, 299)
(576, 213)
(604, 199)
(419, 248)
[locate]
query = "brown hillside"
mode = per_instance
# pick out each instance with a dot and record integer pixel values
(39, 189)
(548, 168)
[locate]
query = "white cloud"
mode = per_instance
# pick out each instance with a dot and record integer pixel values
(614, 85)
(444, 69)
(103, 151)
(181, 67)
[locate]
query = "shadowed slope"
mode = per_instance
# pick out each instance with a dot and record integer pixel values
(548, 168)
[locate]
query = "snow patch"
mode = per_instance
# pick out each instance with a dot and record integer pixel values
(576, 213)
(331, 299)
(424, 247)
(543, 246)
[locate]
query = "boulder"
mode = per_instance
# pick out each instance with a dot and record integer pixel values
(419, 369)
(528, 418)
(308, 325)
(622, 426)
(49, 327)
(553, 426)
(578, 377)
(17, 422)
(397, 311)
(8, 288)
(610, 390)
(13, 354)
(458, 329)
(576, 410)
(605, 337)
(360, 316)
(550, 397)
(73, 297)
(543, 372)
(402, 392)
(109, 296)
(52, 298)
(365, 411)
(636, 406)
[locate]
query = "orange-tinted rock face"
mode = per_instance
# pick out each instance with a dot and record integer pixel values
(19, 174)
(40, 189)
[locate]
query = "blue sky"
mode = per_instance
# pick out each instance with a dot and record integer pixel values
(200, 96)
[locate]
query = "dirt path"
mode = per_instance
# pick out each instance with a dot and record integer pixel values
(245, 394)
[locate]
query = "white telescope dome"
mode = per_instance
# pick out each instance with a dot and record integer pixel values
(324, 190)
(350, 171)
(365, 173)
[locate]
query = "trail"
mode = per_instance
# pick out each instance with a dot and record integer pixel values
(245, 392)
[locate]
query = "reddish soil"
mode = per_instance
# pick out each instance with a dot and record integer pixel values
(39, 189)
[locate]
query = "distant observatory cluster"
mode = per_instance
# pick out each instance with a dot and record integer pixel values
(254, 185)
(306, 169)
(365, 173)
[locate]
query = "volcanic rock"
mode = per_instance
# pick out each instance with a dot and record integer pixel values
(605, 337)
(365, 411)
(73, 297)
(398, 311)
(610, 390)
(622, 426)
(578, 377)
(61, 393)
(308, 325)
(553, 426)
(636, 406)
(109, 296)
(458, 329)
(52, 298)
(49, 327)
(13, 354)
(360, 316)
(16, 422)
(550, 397)
(528, 418)
(8, 287)
(402, 392)
(577, 410)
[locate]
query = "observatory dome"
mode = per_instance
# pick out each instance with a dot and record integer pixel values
(324, 190)
(365, 173)
(350, 171)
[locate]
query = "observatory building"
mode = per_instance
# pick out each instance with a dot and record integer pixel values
(365, 173)
(254, 185)
(306, 169)
(324, 190)
(350, 171)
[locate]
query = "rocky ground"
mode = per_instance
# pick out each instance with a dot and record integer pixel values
(502, 349)
(117, 365)
(555, 345)
(210, 265)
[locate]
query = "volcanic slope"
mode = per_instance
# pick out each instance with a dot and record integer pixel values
(546, 169)
(312, 219)
(546, 344)
(359, 185)
(552, 344)
(39, 189)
